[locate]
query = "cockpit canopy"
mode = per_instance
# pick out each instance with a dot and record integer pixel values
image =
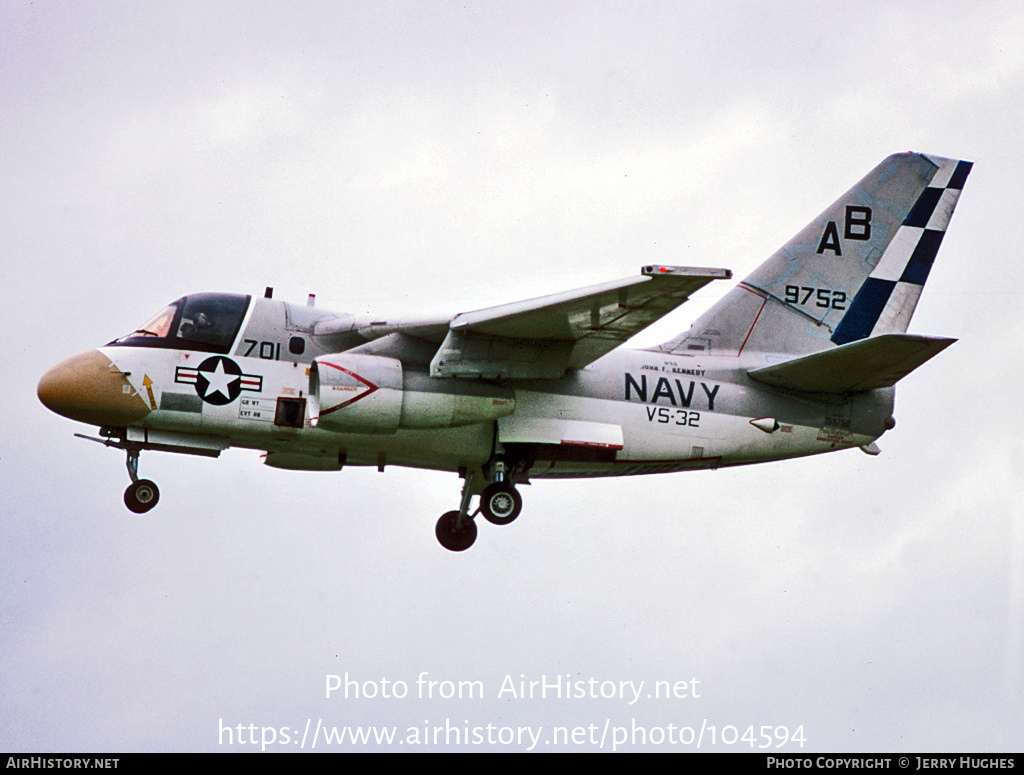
(208, 322)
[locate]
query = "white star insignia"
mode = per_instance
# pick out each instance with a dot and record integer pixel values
(219, 380)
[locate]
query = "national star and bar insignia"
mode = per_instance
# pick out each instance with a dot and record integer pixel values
(218, 380)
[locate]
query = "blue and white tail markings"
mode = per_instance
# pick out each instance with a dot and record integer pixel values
(854, 272)
(886, 300)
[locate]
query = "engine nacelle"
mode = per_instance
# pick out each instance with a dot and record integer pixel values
(355, 393)
(362, 393)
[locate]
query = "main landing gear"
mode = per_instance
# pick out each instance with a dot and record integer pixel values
(500, 503)
(455, 531)
(142, 494)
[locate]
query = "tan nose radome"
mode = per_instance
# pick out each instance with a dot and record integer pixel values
(91, 389)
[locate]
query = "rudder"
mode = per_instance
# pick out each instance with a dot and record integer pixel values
(887, 299)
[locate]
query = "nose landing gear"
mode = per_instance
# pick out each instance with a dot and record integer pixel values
(142, 494)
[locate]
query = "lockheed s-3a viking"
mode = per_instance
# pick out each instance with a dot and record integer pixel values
(799, 358)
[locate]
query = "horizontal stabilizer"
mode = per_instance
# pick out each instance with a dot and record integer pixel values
(867, 364)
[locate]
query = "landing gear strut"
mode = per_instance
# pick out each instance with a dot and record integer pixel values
(456, 530)
(500, 503)
(142, 494)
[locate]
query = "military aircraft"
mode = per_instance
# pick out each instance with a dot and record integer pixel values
(799, 358)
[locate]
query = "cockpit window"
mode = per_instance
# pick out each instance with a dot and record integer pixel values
(203, 321)
(211, 319)
(159, 324)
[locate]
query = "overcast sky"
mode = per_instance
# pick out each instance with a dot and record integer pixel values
(410, 157)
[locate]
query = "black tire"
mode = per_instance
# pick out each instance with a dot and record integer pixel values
(451, 539)
(500, 503)
(141, 496)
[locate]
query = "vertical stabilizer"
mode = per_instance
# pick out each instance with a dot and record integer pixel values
(854, 272)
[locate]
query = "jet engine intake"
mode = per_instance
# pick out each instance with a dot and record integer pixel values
(355, 393)
(362, 393)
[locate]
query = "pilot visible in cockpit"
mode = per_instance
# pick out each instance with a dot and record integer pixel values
(190, 328)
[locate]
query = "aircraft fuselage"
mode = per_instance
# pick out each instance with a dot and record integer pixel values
(630, 412)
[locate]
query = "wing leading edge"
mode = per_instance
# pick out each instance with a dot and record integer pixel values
(541, 338)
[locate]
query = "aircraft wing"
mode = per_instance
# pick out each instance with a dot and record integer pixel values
(541, 338)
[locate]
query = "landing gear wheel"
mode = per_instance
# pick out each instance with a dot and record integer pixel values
(500, 503)
(451, 539)
(141, 496)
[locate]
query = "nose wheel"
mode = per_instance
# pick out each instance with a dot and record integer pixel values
(142, 494)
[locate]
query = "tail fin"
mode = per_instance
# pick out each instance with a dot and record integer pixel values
(854, 272)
